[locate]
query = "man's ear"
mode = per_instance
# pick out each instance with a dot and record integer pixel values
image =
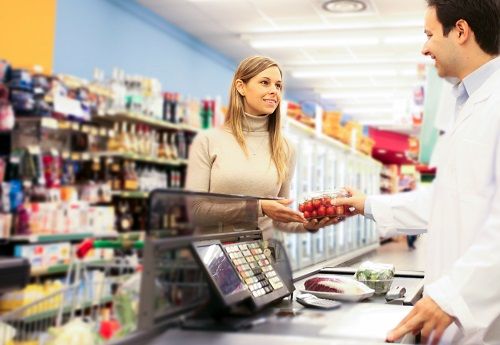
(463, 30)
(240, 87)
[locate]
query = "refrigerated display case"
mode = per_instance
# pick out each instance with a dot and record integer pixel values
(323, 163)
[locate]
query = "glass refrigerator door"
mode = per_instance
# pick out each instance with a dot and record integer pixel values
(318, 185)
(340, 178)
(289, 240)
(330, 169)
(351, 222)
(305, 176)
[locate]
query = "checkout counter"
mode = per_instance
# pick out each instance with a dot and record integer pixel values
(198, 286)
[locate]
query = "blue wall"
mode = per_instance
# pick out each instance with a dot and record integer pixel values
(124, 34)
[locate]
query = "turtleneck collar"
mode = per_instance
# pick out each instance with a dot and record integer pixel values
(254, 123)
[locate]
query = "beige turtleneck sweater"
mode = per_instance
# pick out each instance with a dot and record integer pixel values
(217, 164)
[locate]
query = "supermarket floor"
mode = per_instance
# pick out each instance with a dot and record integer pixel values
(397, 253)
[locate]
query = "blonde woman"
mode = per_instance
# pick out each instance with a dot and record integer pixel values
(248, 154)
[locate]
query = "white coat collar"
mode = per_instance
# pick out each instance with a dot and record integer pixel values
(491, 85)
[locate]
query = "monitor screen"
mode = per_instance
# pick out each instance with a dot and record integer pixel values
(221, 270)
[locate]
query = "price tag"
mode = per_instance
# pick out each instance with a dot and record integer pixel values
(75, 156)
(75, 126)
(49, 123)
(86, 156)
(54, 152)
(34, 150)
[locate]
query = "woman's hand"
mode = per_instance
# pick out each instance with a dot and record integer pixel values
(314, 225)
(278, 210)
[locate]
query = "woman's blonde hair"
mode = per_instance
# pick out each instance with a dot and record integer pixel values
(248, 69)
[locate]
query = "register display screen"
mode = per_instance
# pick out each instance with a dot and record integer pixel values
(221, 269)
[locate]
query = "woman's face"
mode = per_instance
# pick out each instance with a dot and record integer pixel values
(262, 93)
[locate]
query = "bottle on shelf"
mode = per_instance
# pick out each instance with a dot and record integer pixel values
(116, 175)
(118, 90)
(124, 142)
(174, 154)
(206, 114)
(164, 149)
(124, 219)
(113, 144)
(181, 143)
(130, 180)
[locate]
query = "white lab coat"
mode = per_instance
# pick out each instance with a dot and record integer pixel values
(462, 214)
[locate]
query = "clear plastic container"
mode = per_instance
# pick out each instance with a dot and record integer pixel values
(377, 276)
(380, 286)
(318, 205)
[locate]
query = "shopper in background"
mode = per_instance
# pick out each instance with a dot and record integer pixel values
(411, 185)
(462, 209)
(249, 154)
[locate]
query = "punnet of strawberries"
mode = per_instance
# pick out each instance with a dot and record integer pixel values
(319, 205)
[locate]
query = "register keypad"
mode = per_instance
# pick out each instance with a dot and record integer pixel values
(254, 268)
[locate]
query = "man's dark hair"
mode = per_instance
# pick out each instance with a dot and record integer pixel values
(483, 16)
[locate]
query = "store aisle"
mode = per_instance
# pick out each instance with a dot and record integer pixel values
(397, 253)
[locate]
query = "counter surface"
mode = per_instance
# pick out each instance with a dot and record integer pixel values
(364, 322)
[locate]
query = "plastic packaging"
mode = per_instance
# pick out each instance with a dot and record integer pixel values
(318, 205)
(377, 276)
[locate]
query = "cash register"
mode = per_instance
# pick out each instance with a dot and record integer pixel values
(206, 260)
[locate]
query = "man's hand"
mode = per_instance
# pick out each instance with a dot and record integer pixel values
(278, 210)
(314, 225)
(355, 200)
(426, 317)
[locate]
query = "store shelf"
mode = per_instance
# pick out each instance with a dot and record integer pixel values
(53, 312)
(143, 119)
(48, 238)
(386, 175)
(130, 194)
(130, 156)
(62, 268)
(189, 128)
(329, 140)
(53, 123)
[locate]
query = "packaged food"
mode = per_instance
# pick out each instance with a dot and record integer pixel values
(318, 205)
(377, 276)
(336, 287)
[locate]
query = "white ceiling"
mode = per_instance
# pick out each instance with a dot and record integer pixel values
(364, 64)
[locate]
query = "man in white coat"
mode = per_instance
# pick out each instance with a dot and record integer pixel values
(461, 211)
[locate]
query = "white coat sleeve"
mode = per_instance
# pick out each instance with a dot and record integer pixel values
(406, 212)
(470, 290)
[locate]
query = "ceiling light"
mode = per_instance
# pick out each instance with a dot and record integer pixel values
(344, 73)
(344, 6)
(408, 23)
(320, 42)
(419, 39)
(364, 61)
(357, 95)
(368, 110)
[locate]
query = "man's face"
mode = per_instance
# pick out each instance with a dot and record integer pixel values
(440, 48)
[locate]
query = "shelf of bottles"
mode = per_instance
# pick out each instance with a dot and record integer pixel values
(81, 157)
(323, 164)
